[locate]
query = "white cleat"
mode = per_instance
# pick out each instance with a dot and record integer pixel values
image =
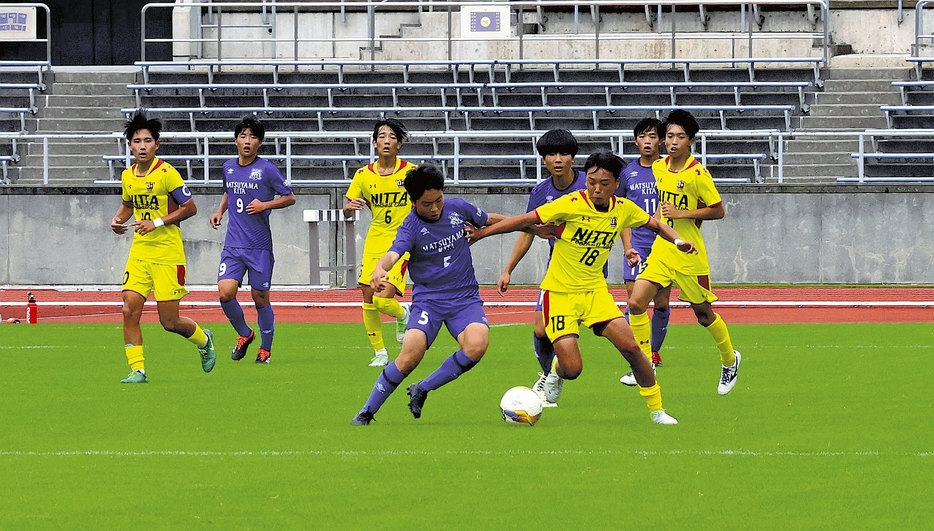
(630, 379)
(728, 376)
(539, 389)
(403, 321)
(380, 359)
(660, 417)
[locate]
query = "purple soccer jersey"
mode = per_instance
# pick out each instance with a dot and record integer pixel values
(260, 180)
(637, 183)
(439, 256)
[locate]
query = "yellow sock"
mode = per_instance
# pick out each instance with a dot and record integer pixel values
(134, 357)
(374, 325)
(721, 336)
(642, 331)
(199, 338)
(652, 395)
(388, 306)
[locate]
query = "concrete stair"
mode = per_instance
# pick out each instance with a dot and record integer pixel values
(78, 104)
(849, 102)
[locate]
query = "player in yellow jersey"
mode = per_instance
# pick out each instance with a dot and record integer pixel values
(379, 186)
(155, 193)
(687, 196)
(575, 290)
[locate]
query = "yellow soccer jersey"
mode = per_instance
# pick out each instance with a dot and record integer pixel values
(388, 202)
(684, 189)
(585, 241)
(151, 198)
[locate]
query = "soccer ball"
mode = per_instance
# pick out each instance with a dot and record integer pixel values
(521, 405)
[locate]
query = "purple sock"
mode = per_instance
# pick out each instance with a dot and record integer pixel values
(387, 382)
(267, 326)
(234, 313)
(455, 365)
(544, 351)
(659, 327)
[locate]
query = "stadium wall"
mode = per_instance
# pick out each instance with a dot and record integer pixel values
(837, 234)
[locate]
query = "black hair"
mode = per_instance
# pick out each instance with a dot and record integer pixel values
(254, 125)
(139, 121)
(557, 141)
(396, 126)
(421, 179)
(685, 120)
(647, 125)
(605, 160)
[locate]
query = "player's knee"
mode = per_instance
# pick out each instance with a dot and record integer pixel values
(570, 373)
(636, 307)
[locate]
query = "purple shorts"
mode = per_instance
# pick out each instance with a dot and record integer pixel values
(456, 315)
(235, 263)
(631, 272)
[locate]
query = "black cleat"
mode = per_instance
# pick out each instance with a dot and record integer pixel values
(363, 418)
(242, 344)
(417, 398)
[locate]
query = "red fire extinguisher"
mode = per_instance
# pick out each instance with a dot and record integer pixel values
(32, 310)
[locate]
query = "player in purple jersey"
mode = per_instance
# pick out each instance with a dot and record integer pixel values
(251, 185)
(637, 183)
(445, 290)
(557, 147)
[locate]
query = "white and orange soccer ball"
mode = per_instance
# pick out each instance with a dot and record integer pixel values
(521, 405)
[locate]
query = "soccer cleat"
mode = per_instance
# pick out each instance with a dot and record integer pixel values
(135, 377)
(539, 389)
(660, 417)
(554, 384)
(728, 375)
(263, 355)
(242, 344)
(656, 358)
(402, 321)
(380, 359)
(416, 399)
(208, 356)
(630, 379)
(363, 418)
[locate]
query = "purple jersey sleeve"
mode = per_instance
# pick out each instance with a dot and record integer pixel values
(439, 256)
(637, 183)
(261, 180)
(545, 192)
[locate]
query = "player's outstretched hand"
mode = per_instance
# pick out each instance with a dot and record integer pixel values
(473, 234)
(216, 220)
(632, 257)
(547, 231)
(120, 228)
(687, 247)
(503, 283)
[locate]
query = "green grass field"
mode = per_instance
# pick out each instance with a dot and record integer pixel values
(829, 427)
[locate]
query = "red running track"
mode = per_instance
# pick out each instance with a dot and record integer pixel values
(736, 305)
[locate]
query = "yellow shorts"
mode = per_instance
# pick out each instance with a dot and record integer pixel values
(565, 312)
(396, 274)
(694, 289)
(168, 281)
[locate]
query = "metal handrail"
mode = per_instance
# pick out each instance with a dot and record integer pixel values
(450, 7)
(48, 29)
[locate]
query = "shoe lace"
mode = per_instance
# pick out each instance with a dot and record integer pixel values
(241, 342)
(727, 374)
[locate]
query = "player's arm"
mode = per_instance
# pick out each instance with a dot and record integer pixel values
(669, 234)
(703, 212)
(357, 203)
(522, 246)
(218, 216)
(632, 255)
(124, 213)
(382, 267)
(256, 206)
(510, 224)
